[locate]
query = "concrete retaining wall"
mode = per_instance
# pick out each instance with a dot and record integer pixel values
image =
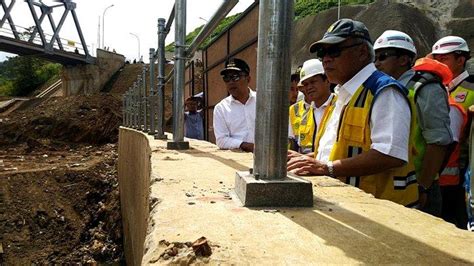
(90, 79)
(134, 180)
(193, 197)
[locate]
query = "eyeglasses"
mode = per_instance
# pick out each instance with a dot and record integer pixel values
(234, 77)
(383, 56)
(333, 51)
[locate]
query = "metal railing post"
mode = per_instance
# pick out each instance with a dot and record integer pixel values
(151, 96)
(160, 110)
(144, 100)
(178, 142)
(271, 131)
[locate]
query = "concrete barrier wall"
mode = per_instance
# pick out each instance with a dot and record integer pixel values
(134, 171)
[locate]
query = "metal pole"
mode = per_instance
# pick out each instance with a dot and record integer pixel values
(338, 9)
(271, 134)
(103, 26)
(160, 109)
(223, 10)
(144, 101)
(178, 142)
(151, 96)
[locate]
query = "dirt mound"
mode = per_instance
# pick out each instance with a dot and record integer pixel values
(76, 119)
(63, 215)
(124, 78)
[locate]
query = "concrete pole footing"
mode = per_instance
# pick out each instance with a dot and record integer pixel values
(177, 145)
(291, 191)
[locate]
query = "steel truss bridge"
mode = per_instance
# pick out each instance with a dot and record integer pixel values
(33, 40)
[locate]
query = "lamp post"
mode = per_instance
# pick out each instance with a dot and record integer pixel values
(138, 39)
(103, 25)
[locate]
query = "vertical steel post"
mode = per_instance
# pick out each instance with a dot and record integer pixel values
(268, 184)
(136, 104)
(178, 142)
(160, 109)
(144, 100)
(151, 96)
(273, 72)
(124, 110)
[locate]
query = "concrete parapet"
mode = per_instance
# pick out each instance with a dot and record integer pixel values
(90, 79)
(134, 172)
(192, 196)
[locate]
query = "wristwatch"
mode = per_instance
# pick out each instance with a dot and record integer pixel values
(331, 169)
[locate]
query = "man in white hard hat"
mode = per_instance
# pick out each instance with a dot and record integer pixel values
(365, 136)
(395, 54)
(305, 116)
(453, 51)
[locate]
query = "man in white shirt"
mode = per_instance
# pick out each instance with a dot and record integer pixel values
(366, 136)
(234, 116)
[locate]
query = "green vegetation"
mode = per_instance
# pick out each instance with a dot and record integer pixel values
(218, 30)
(305, 8)
(302, 8)
(21, 75)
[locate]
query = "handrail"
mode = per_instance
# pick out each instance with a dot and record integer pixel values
(218, 16)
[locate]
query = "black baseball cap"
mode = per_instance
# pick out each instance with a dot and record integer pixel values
(340, 31)
(237, 65)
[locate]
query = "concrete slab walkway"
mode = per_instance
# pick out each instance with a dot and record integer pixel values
(191, 196)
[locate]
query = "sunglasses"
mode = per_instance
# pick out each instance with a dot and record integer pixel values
(234, 77)
(384, 55)
(334, 51)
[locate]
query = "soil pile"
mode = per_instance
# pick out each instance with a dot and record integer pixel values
(77, 119)
(59, 197)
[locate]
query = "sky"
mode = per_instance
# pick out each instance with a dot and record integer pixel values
(138, 17)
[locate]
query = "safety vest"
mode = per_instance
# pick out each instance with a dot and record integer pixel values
(420, 79)
(450, 174)
(463, 94)
(427, 71)
(303, 125)
(353, 138)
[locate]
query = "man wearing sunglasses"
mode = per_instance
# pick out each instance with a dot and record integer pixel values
(395, 54)
(364, 140)
(234, 116)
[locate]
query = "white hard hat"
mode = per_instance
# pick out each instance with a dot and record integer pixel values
(311, 67)
(449, 44)
(395, 39)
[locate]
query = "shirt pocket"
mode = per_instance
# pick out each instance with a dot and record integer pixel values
(354, 124)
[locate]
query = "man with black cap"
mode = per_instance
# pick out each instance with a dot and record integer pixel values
(234, 116)
(364, 140)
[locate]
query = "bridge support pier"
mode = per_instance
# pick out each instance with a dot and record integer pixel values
(90, 79)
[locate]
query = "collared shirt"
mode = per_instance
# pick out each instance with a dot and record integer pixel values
(234, 122)
(318, 113)
(457, 80)
(433, 114)
(389, 121)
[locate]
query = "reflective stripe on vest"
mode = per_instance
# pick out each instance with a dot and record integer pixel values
(450, 174)
(303, 125)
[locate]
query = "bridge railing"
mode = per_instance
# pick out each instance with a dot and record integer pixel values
(68, 45)
(50, 43)
(150, 105)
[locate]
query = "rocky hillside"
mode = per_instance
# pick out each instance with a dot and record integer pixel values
(425, 21)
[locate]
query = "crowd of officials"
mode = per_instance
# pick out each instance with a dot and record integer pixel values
(372, 115)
